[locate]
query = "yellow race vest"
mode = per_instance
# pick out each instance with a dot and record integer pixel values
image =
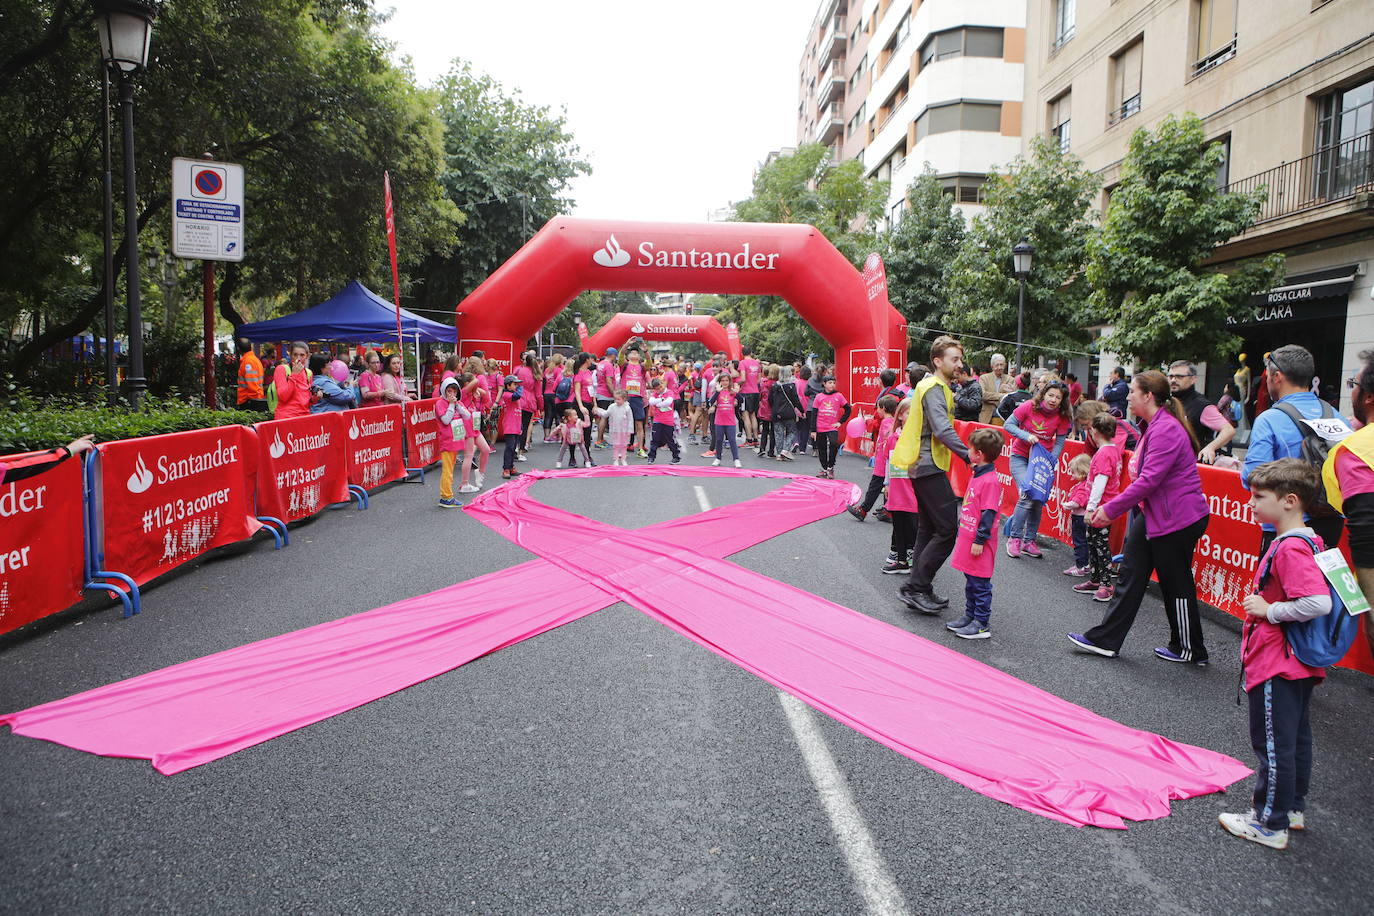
(1361, 445)
(908, 447)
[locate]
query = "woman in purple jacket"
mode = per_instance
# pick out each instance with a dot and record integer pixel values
(1163, 534)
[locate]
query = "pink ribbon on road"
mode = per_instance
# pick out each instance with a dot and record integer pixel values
(975, 724)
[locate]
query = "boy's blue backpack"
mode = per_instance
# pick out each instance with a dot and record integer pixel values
(564, 390)
(1324, 640)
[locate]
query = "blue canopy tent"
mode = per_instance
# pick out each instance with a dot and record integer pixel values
(355, 314)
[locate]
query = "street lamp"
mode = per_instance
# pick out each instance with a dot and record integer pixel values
(126, 30)
(1021, 255)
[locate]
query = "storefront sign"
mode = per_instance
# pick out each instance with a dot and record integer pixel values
(41, 545)
(374, 446)
(168, 499)
(302, 465)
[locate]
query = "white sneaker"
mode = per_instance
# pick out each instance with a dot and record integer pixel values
(477, 478)
(468, 488)
(520, 458)
(716, 463)
(1296, 819)
(558, 464)
(737, 464)
(1244, 827)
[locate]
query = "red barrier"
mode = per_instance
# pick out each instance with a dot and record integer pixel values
(1226, 557)
(422, 433)
(374, 444)
(42, 548)
(302, 465)
(168, 499)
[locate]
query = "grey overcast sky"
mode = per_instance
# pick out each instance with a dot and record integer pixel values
(673, 104)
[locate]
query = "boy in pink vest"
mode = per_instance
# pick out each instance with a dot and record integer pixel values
(975, 547)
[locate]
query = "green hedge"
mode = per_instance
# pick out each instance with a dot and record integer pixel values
(30, 424)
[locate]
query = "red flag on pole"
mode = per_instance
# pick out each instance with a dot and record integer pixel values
(395, 273)
(875, 284)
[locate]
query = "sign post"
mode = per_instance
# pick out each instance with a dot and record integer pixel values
(207, 223)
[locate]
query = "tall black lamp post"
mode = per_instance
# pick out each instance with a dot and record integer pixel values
(1021, 255)
(126, 30)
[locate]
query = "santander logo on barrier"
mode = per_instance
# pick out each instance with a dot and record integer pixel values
(637, 328)
(353, 430)
(141, 479)
(612, 255)
(278, 447)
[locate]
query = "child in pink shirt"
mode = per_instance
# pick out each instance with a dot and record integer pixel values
(569, 434)
(1290, 588)
(1076, 502)
(1104, 483)
(975, 548)
(510, 424)
(887, 406)
(831, 410)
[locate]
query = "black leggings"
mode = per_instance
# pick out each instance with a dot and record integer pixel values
(525, 417)
(551, 418)
(766, 443)
(1170, 556)
(828, 448)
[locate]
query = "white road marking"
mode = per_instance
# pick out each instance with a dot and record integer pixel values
(701, 498)
(880, 893)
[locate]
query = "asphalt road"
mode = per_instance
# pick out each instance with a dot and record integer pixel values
(613, 766)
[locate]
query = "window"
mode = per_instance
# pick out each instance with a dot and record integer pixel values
(894, 213)
(1344, 161)
(1126, 73)
(856, 122)
(940, 119)
(1224, 166)
(1216, 33)
(1059, 119)
(965, 42)
(1064, 18)
(858, 74)
(903, 31)
(964, 188)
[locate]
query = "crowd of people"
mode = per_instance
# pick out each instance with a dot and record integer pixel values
(1308, 474)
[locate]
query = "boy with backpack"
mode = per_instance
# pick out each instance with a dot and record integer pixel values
(1292, 610)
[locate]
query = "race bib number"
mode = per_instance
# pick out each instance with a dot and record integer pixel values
(1338, 573)
(1332, 429)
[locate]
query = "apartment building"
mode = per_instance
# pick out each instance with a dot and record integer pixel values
(899, 83)
(1286, 87)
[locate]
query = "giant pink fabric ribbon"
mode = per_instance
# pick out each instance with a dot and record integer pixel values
(973, 723)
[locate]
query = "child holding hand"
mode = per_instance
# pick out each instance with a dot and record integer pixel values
(512, 393)
(901, 501)
(975, 548)
(1077, 503)
(453, 418)
(1104, 483)
(887, 406)
(664, 417)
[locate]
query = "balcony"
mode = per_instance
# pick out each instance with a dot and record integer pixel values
(1324, 194)
(833, 40)
(830, 87)
(829, 123)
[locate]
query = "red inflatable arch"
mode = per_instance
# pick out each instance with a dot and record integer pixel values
(793, 261)
(702, 329)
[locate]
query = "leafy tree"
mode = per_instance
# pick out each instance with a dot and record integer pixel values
(301, 92)
(1165, 219)
(920, 249)
(1044, 199)
(507, 166)
(805, 187)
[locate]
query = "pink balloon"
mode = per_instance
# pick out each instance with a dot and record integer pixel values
(338, 370)
(855, 428)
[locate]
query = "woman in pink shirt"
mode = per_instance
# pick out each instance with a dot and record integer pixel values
(723, 422)
(832, 409)
(370, 380)
(478, 403)
(393, 384)
(768, 446)
(553, 374)
(527, 372)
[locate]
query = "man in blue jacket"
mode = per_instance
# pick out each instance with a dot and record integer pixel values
(1276, 435)
(1115, 392)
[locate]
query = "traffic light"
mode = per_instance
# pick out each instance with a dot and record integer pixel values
(687, 307)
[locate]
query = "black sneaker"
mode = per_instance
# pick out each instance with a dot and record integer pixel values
(920, 602)
(895, 567)
(960, 623)
(857, 512)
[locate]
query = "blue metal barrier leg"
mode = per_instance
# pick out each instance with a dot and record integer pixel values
(278, 529)
(131, 600)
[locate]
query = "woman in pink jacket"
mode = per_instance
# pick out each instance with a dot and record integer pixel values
(1163, 534)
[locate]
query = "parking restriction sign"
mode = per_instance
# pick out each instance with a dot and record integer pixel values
(207, 210)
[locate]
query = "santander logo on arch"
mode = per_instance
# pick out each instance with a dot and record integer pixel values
(651, 255)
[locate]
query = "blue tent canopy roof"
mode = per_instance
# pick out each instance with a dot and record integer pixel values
(355, 314)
